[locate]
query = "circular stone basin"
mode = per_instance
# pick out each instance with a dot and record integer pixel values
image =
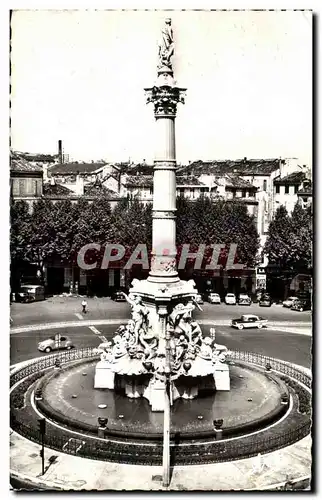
(254, 400)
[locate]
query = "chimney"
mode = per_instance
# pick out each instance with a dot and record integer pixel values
(60, 151)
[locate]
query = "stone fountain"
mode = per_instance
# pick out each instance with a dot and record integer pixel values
(161, 353)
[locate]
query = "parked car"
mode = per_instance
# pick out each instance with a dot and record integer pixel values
(118, 296)
(289, 301)
(36, 292)
(265, 300)
(249, 321)
(230, 299)
(23, 297)
(55, 343)
(301, 305)
(244, 300)
(198, 298)
(214, 298)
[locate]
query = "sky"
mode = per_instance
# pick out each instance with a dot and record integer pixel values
(79, 76)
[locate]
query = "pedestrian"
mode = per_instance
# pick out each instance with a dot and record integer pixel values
(84, 305)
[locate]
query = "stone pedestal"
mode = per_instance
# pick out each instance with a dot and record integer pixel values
(221, 377)
(133, 390)
(104, 376)
(190, 393)
(154, 393)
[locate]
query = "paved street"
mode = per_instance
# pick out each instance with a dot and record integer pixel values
(285, 342)
(68, 309)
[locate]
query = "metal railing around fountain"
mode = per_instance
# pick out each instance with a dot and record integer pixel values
(49, 361)
(275, 364)
(148, 454)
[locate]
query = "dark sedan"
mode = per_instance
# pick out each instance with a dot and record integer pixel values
(118, 296)
(265, 300)
(301, 305)
(23, 297)
(244, 300)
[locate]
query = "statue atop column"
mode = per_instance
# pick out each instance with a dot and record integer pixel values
(166, 47)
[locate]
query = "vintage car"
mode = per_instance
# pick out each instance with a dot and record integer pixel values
(301, 305)
(214, 298)
(249, 321)
(55, 343)
(289, 301)
(265, 300)
(23, 297)
(198, 298)
(118, 296)
(230, 299)
(244, 300)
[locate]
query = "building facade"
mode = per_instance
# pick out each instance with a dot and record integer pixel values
(26, 180)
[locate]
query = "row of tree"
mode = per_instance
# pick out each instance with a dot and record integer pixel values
(289, 242)
(58, 231)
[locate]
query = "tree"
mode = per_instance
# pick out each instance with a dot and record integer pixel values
(301, 236)
(41, 234)
(236, 226)
(210, 222)
(19, 222)
(289, 242)
(19, 236)
(278, 243)
(132, 224)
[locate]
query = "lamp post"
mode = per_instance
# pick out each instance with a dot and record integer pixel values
(165, 333)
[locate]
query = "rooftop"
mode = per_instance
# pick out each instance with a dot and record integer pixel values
(20, 164)
(238, 182)
(294, 178)
(56, 190)
(244, 166)
(141, 168)
(190, 180)
(139, 181)
(75, 168)
(37, 157)
(94, 189)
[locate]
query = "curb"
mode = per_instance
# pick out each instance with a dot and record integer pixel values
(39, 483)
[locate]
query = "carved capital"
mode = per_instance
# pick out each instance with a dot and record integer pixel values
(165, 99)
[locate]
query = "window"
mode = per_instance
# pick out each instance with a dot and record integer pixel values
(39, 188)
(15, 187)
(287, 189)
(265, 185)
(296, 188)
(277, 189)
(192, 191)
(22, 187)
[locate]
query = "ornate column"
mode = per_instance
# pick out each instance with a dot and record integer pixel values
(165, 96)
